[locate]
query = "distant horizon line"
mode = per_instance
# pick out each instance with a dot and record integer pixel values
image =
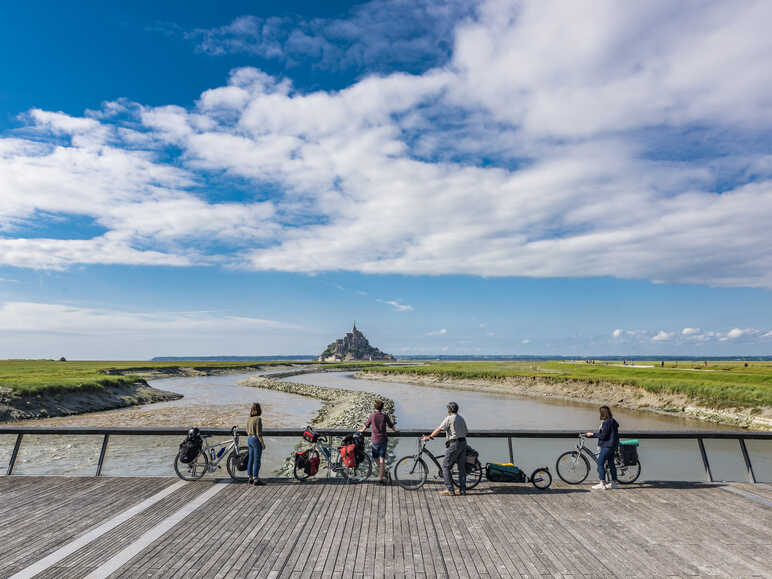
(476, 357)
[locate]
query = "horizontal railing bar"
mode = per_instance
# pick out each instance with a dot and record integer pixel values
(175, 430)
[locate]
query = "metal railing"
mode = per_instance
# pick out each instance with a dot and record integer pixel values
(106, 433)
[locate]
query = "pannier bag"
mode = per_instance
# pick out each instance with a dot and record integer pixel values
(310, 434)
(471, 459)
(308, 462)
(503, 472)
(348, 453)
(243, 461)
(190, 447)
(313, 465)
(301, 460)
(628, 452)
(358, 442)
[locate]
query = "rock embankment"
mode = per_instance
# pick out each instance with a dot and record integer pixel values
(15, 406)
(341, 408)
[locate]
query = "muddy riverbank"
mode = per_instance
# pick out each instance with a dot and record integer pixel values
(15, 406)
(614, 394)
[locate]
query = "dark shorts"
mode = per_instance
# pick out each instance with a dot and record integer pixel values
(378, 450)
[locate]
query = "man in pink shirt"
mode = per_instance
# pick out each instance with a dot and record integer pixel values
(378, 421)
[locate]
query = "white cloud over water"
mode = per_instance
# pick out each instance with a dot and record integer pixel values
(584, 173)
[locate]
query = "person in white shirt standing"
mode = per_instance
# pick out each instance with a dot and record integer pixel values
(454, 427)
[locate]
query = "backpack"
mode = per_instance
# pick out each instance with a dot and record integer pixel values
(243, 461)
(190, 448)
(503, 472)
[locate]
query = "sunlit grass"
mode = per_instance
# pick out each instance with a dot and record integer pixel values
(720, 384)
(38, 376)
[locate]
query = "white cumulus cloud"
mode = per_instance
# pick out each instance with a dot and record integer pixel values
(663, 336)
(690, 331)
(520, 156)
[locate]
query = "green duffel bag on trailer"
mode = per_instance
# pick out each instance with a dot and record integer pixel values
(503, 472)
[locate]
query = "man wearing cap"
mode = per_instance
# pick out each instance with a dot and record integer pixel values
(454, 427)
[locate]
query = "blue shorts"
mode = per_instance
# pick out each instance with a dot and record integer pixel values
(378, 450)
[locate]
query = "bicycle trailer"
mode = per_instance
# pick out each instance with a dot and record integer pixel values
(503, 472)
(509, 473)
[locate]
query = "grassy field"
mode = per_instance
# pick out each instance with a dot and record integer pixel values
(719, 385)
(38, 376)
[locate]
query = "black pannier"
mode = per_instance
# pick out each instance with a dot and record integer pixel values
(243, 461)
(628, 454)
(301, 460)
(471, 459)
(191, 446)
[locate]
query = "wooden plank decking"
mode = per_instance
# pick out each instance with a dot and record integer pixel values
(322, 529)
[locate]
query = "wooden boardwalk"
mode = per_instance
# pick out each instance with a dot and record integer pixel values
(155, 527)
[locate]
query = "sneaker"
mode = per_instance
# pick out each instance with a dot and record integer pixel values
(599, 487)
(614, 485)
(462, 492)
(448, 493)
(258, 483)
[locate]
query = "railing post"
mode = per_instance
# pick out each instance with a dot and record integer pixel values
(102, 455)
(705, 463)
(511, 452)
(748, 466)
(14, 454)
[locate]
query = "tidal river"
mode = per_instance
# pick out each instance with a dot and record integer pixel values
(220, 401)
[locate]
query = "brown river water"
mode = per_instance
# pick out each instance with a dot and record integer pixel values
(218, 401)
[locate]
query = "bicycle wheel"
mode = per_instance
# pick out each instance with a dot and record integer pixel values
(473, 478)
(361, 471)
(193, 470)
(233, 462)
(541, 479)
(298, 471)
(572, 467)
(628, 474)
(410, 472)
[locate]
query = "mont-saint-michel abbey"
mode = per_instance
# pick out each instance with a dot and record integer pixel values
(352, 346)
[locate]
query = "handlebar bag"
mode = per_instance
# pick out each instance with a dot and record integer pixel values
(310, 435)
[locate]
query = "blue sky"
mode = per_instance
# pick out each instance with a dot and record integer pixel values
(197, 179)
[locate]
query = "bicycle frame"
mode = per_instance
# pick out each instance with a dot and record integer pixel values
(435, 458)
(326, 449)
(215, 458)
